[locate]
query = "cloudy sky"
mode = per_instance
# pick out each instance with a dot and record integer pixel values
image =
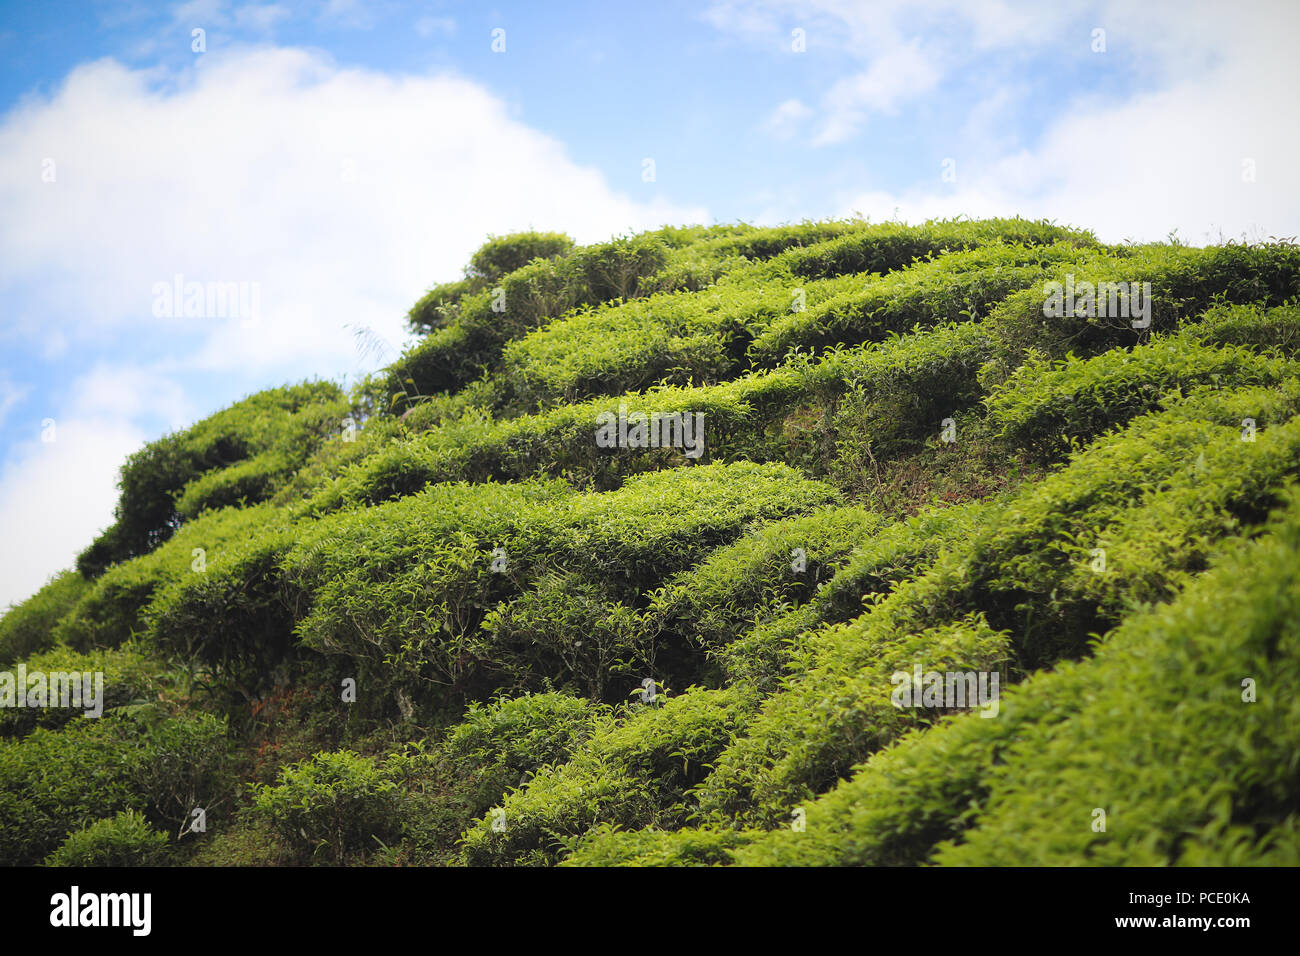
(344, 156)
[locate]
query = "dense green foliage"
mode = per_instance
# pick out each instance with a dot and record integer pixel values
(28, 628)
(238, 455)
(461, 615)
(335, 801)
(53, 782)
(125, 840)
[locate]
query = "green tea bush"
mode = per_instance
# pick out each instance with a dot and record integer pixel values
(699, 256)
(498, 745)
(921, 789)
(897, 394)
(410, 609)
(504, 254)
(737, 416)
(112, 609)
(130, 679)
(1184, 282)
(1063, 739)
(1272, 405)
(290, 421)
(1261, 329)
(499, 256)
(771, 241)
(28, 627)
(616, 547)
(456, 353)
(569, 628)
(892, 554)
(888, 246)
(897, 391)
(837, 707)
(609, 846)
(684, 338)
(1047, 407)
(771, 568)
(449, 357)
(338, 803)
(525, 298)
(231, 620)
(440, 306)
(125, 840)
(952, 287)
(420, 600)
(249, 481)
(1231, 624)
(633, 773)
(1129, 521)
(332, 458)
(54, 782)
(184, 763)
(660, 523)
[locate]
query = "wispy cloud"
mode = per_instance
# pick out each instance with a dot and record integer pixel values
(1206, 154)
(257, 18)
(435, 26)
(1187, 126)
(905, 73)
(11, 394)
(906, 48)
(350, 14)
(784, 121)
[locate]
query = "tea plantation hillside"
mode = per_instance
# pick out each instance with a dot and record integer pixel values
(966, 543)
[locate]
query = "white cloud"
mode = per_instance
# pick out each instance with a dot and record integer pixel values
(127, 393)
(199, 12)
(904, 73)
(351, 14)
(1196, 92)
(886, 37)
(344, 193)
(210, 14)
(868, 28)
(784, 121)
(1166, 160)
(260, 18)
(11, 394)
(428, 26)
(749, 19)
(54, 497)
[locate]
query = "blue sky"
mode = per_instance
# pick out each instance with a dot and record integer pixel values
(344, 156)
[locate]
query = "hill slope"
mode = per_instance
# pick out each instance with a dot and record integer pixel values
(964, 543)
